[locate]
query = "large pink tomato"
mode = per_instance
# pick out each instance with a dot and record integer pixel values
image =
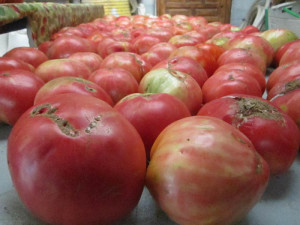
(32, 56)
(173, 82)
(17, 92)
(273, 133)
(63, 85)
(150, 113)
(117, 82)
(75, 160)
(204, 171)
(55, 68)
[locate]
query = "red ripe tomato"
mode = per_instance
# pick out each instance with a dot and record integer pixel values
(116, 46)
(214, 50)
(282, 73)
(284, 85)
(101, 47)
(249, 69)
(200, 37)
(55, 68)
(174, 82)
(230, 82)
(256, 44)
(163, 49)
(283, 49)
(222, 38)
(91, 59)
(9, 63)
(273, 133)
(237, 55)
(129, 61)
(291, 55)
(33, 56)
(202, 170)
(164, 34)
(183, 40)
(44, 46)
(117, 82)
(151, 58)
(200, 55)
(64, 46)
(150, 113)
(78, 85)
(249, 29)
(77, 173)
(17, 91)
(288, 99)
(144, 42)
(186, 65)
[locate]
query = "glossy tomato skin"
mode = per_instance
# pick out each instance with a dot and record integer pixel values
(279, 53)
(88, 167)
(10, 63)
(204, 171)
(129, 61)
(287, 99)
(150, 113)
(229, 82)
(55, 68)
(30, 55)
(176, 83)
(206, 60)
(64, 46)
(282, 73)
(91, 59)
(237, 55)
(17, 92)
(249, 69)
(77, 85)
(273, 133)
(186, 65)
(117, 82)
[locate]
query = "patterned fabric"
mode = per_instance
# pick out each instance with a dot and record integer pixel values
(47, 18)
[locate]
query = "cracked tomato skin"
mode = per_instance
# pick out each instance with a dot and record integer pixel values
(74, 160)
(204, 171)
(273, 133)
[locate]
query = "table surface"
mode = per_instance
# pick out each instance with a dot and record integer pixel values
(280, 204)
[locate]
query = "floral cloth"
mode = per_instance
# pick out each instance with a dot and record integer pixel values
(47, 18)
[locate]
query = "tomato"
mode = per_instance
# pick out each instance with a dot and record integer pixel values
(102, 45)
(249, 29)
(144, 42)
(55, 68)
(256, 44)
(44, 46)
(283, 86)
(222, 39)
(229, 82)
(173, 82)
(117, 82)
(200, 37)
(183, 40)
(186, 65)
(214, 50)
(78, 85)
(64, 46)
(273, 133)
(150, 113)
(237, 55)
(283, 72)
(88, 168)
(129, 61)
(204, 171)
(10, 63)
(278, 37)
(283, 49)
(162, 49)
(164, 34)
(91, 59)
(17, 91)
(33, 56)
(249, 69)
(200, 55)
(288, 99)
(115, 46)
(121, 34)
(291, 55)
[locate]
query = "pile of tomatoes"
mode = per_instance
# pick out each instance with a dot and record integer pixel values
(172, 102)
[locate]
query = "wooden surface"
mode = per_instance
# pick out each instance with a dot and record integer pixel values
(212, 10)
